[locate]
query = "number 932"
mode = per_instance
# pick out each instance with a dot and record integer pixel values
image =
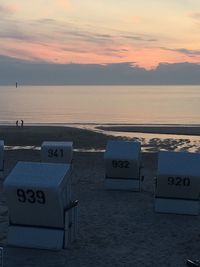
(120, 164)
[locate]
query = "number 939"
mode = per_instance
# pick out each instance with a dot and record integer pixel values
(31, 196)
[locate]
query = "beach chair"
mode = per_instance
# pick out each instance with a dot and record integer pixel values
(57, 152)
(178, 183)
(123, 165)
(1, 157)
(41, 211)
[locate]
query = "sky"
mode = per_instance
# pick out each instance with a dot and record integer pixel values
(144, 33)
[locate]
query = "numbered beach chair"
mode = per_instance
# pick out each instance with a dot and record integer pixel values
(1, 158)
(122, 165)
(41, 211)
(178, 183)
(57, 152)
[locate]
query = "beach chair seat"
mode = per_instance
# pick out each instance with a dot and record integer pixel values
(178, 183)
(122, 165)
(40, 206)
(45, 237)
(57, 152)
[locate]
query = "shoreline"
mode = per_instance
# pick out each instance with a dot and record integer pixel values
(175, 129)
(172, 129)
(94, 139)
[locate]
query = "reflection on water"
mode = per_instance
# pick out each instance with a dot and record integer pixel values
(100, 104)
(21, 148)
(156, 142)
(92, 150)
(149, 144)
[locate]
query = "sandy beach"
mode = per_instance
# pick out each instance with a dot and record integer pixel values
(115, 228)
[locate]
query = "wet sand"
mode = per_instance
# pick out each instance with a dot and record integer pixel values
(157, 129)
(115, 228)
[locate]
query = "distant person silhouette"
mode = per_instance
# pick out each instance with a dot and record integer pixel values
(17, 123)
(22, 123)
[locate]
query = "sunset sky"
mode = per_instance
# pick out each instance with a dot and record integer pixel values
(145, 32)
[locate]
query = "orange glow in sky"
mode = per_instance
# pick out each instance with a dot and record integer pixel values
(99, 31)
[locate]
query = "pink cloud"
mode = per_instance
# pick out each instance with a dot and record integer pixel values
(8, 9)
(195, 15)
(135, 20)
(55, 52)
(71, 44)
(64, 4)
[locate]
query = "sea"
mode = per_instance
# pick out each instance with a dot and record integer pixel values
(100, 104)
(91, 106)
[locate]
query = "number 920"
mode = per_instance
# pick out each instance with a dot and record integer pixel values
(178, 181)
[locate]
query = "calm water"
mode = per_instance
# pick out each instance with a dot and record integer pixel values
(100, 104)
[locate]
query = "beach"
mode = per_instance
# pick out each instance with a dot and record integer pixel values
(115, 228)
